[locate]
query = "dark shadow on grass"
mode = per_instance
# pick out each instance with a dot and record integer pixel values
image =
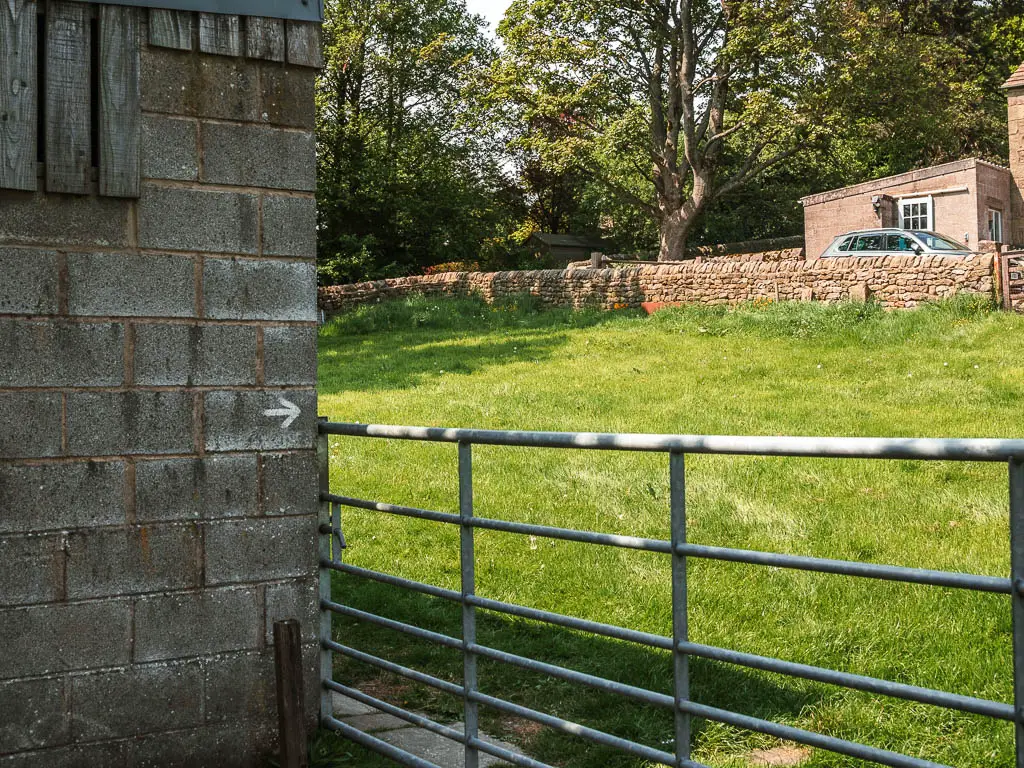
(387, 351)
(411, 360)
(718, 685)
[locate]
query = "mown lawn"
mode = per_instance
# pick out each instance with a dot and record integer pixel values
(954, 370)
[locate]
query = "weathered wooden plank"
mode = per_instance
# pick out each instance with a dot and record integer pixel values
(120, 110)
(291, 707)
(68, 98)
(304, 49)
(264, 38)
(18, 95)
(170, 29)
(220, 33)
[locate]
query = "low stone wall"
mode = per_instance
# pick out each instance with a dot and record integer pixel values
(893, 281)
(784, 254)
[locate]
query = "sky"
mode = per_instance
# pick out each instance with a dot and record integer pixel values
(492, 10)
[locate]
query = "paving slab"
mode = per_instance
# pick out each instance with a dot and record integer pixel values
(418, 741)
(345, 706)
(437, 749)
(376, 722)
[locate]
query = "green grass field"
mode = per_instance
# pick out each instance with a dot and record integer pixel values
(951, 370)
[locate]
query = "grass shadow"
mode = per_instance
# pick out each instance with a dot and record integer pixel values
(417, 359)
(412, 342)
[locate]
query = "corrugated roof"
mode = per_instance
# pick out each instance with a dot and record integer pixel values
(1016, 79)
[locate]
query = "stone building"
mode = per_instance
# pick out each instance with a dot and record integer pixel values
(968, 200)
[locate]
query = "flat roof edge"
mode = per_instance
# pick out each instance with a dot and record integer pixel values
(900, 178)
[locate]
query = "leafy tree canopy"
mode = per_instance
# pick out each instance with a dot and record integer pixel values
(658, 123)
(402, 183)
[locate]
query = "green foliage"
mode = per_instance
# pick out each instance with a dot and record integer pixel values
(947, 104)
(854, 90)
(401, 184)
(907, 84)
(855, 322)
(438, 144)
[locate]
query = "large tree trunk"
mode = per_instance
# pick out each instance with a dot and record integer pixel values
(674, 230)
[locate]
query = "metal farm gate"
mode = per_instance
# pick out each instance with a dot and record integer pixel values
(679, 550)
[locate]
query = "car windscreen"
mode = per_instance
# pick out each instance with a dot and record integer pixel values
(936, 242)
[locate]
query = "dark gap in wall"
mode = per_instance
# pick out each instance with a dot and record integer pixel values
(94, 89)
(41, 85)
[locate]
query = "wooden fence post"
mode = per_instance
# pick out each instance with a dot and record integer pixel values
(1004, 277)
(291, 711)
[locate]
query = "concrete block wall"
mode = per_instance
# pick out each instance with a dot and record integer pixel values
(153, 521)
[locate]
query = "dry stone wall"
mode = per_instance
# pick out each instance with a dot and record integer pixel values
(893, 281)
(783, 254)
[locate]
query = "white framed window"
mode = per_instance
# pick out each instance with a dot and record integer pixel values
(995, 225)
(916, 213)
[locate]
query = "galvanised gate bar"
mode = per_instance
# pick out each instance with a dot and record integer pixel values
(676, 446)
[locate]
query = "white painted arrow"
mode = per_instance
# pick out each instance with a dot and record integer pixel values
(291, 411)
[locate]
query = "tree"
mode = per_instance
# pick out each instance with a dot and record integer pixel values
(908, 84)
(712, 117)
(918, 85)
(659, 121)
(402, 183)
(681, 78)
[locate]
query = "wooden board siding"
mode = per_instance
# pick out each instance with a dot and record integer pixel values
(170, 29)
(18, 95)
(68, 98)
(120, 112)
(304, 49)
(264, 38)
(220, 34)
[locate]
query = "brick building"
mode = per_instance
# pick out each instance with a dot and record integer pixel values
(969, 200)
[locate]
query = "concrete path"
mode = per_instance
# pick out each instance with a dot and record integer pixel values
(422, 743)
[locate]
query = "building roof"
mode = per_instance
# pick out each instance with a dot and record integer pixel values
(567, 241)
(876, 185)
(1016, 79)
